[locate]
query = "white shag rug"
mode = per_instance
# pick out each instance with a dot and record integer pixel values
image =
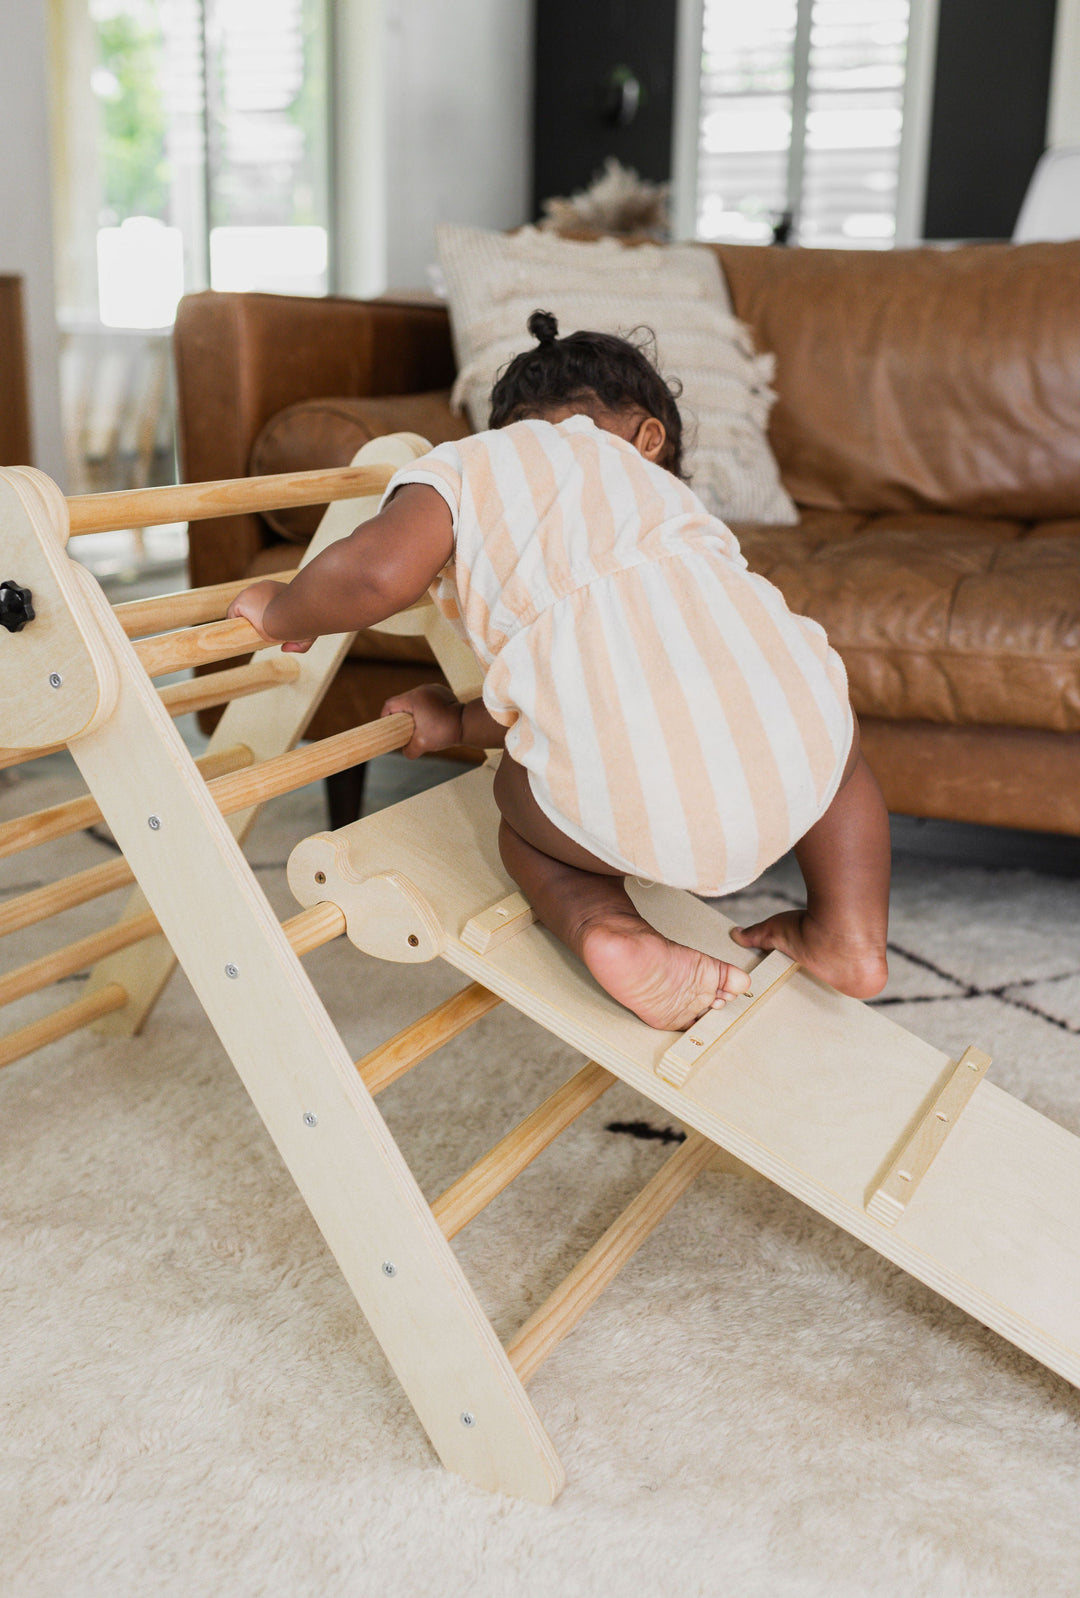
(759, 1407)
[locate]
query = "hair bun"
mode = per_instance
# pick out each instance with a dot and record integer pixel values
(543, 327)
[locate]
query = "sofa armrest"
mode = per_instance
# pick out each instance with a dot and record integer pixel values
(241, 358)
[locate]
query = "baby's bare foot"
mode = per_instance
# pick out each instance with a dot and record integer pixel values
(851, 964)
(663, 983)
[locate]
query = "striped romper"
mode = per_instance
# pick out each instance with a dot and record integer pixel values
(675, 718)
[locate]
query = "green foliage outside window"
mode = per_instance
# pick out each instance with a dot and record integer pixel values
(135, 171)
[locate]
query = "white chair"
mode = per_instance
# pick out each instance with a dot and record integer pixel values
(1051, 208)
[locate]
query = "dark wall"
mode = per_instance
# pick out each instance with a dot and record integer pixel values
(580, 45)
(988, 127)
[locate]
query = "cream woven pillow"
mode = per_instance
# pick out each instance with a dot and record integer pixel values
(495, 280)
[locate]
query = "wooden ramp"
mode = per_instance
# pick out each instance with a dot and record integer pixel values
(917, 1155)
(820, 1093)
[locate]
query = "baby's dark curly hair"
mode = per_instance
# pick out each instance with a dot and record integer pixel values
(597, 369)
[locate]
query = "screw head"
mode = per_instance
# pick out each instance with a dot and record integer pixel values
(468, 1418)
(389, 1268)
(154, 823)
(310, 1118)
(232, 970)
(414, 941)
(55, 680)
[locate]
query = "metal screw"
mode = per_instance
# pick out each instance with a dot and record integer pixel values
(414, 941)
(55, 680)
(320, 877)
(232, 970)
(389, 1268)
(310, 1118)
(468, 1418)
(154, 823)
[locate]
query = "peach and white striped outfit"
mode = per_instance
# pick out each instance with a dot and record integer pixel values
(674, 717)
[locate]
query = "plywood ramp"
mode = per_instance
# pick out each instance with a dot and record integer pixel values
(817, 1092)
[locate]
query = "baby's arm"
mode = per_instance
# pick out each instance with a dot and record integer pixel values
(385, 565)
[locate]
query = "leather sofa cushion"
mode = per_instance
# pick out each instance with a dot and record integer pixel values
(940, 619)
(921, 380)
(328, 432)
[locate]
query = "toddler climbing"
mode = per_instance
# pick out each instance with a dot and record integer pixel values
(663, 714)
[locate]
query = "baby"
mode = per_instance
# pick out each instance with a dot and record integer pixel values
(661, 711)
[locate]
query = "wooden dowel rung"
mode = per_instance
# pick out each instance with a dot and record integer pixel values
(494, 1172)
(193, 502)
(22, 757)
(69, 1018)
(306, 931)
(221, 687)
(420, 1039)
(198, 646)
(41, 903)
(75, 815)
(285, 773)
(319, 924)
(74, 957)
(186, 608)
(257, 783)
(545, 1330)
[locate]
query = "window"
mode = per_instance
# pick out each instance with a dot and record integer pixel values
(805, 120)
(191, 149)
(196, 136)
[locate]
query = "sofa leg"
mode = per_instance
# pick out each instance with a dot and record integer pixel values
(345, 796)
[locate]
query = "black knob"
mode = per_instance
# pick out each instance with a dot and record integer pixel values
(15, 607)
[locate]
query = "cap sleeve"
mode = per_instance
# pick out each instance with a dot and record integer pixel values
(440, 470)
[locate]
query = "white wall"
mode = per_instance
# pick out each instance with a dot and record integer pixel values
(1063, 122)
(26, 212)
(435, 113)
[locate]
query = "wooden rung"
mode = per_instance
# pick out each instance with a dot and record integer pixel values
(198, 646)
(421, 1038)
(545, 1330)
(309, 930)
(186, 608)
(892, 1196)
(74, 957)
(684, 1056)
(485, 932)
(193, 502)
(306, 931)
(75, 815)
(285, 773)
(222, 687)
(266, 780)
(41, 903)
(69, 1018)
(494, 1172)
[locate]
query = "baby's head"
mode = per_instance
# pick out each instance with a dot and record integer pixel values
(607, 378)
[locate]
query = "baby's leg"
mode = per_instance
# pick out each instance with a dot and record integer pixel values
(845, 862)
(585, 904)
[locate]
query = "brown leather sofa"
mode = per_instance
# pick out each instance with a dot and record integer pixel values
(927, 426)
